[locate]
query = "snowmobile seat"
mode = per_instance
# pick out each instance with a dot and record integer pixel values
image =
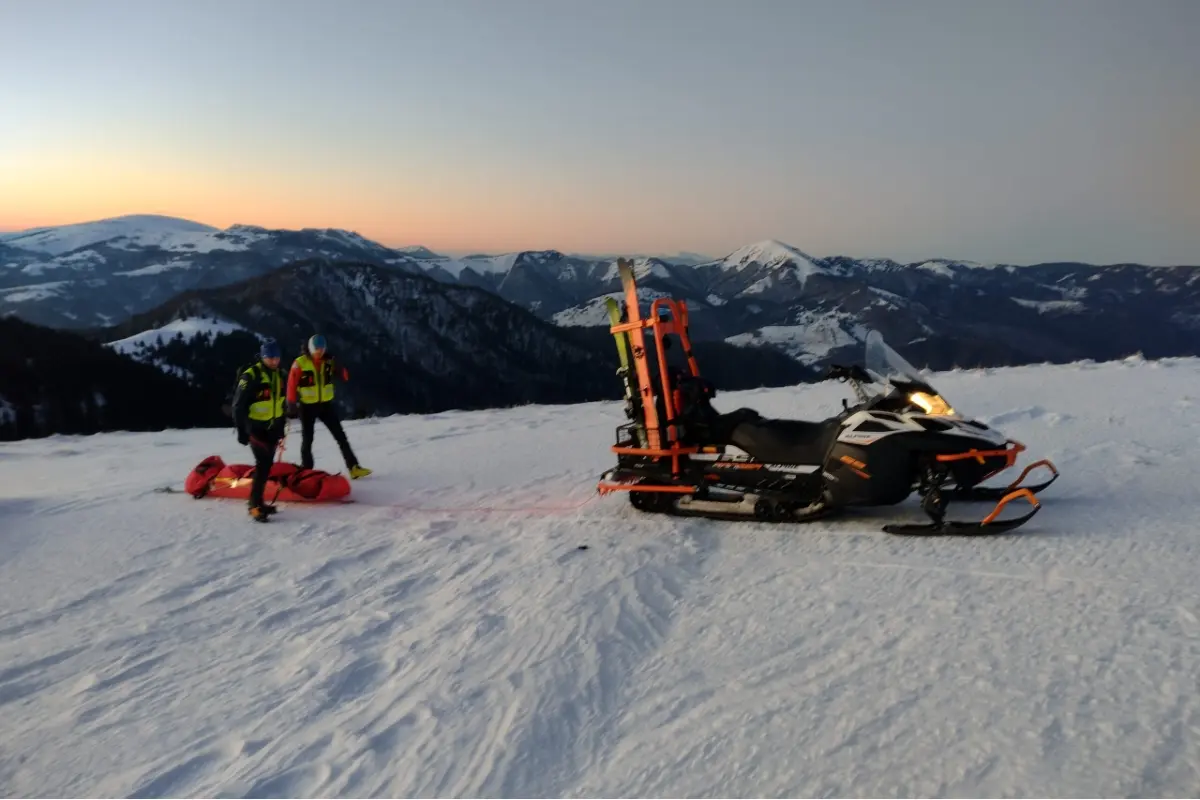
(785, 441)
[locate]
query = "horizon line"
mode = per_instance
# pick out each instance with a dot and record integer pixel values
(458, 253)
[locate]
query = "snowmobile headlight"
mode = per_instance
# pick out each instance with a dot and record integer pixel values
(931, 404)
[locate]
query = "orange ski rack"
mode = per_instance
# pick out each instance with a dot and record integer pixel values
(667, 317)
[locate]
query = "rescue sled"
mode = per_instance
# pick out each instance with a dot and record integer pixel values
(679, 455)
(287, 483)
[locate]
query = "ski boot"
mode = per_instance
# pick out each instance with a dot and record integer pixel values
(359, 472)
(262, 513)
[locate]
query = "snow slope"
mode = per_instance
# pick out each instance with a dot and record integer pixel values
(771, 254)
(445, 635)
(140, 230)
(814, 337)
(188, 328)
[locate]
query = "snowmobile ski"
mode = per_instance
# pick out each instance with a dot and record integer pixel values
(988, 525)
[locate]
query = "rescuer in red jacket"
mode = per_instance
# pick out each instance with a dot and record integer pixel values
(310, 396)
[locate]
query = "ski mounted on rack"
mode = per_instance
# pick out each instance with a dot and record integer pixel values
(633, 404)
(679, 455)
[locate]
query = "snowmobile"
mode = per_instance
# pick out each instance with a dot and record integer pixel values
(679, 455)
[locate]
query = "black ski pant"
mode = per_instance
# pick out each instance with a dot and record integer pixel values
(325, 412)
(263, 444)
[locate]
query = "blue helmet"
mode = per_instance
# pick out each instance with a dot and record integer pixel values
(317, 342)
(270, 349)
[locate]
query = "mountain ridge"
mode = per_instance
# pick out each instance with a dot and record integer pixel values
(767, 292)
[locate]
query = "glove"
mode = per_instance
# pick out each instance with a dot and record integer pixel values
(243, 436)
(293, 409)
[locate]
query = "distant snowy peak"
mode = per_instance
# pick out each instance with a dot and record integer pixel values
(149, 232)
(767, 263)
(343, 237)
(187, 327)
(643, 267)
(947, 267)
(455, 267)
(145, 230)
(419, 252)
(144, 346)
(768, 253)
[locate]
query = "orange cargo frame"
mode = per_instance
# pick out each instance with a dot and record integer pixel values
(661, 327)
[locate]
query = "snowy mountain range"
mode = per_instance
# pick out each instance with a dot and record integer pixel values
(412, 344)
(815, 309)
(102, 273)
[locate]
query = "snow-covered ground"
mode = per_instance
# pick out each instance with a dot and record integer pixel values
(189, 328)
(137, 230)
(445, 635)
(815, 335)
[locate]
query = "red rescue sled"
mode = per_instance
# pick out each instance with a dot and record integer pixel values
(287, 483)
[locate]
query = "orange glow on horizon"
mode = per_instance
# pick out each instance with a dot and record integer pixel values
(453, 218)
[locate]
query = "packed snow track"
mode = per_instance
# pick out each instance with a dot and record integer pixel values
(446, 634)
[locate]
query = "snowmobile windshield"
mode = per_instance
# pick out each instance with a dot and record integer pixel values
(893, 371)
(886, 363)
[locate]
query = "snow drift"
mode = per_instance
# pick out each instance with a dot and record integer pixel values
(446, 635)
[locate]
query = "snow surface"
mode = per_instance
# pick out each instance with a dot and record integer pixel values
(481, 265)
(941, 268)
(769, 253)
(595, 312)
(1042, 306)
(189, 327)
(32, 292)
(814, 336)
(140, 230)
(157, 269)
(444, 635)
(418, 251)
(643, 267)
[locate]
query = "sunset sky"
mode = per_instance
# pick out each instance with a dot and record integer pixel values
(999, 130)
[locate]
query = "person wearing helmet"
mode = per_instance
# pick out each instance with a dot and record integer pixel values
(310, 392)
(260, 419)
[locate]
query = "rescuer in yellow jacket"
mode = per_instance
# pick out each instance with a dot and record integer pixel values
(260, 419)
(310, 389)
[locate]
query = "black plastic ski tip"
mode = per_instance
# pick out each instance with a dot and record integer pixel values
(959, 528)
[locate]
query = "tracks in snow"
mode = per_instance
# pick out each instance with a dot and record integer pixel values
(419, 655)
